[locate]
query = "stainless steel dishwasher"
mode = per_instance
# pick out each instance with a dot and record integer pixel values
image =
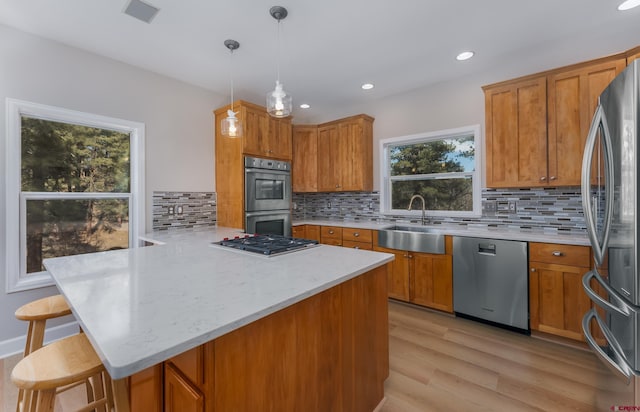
(490, 281)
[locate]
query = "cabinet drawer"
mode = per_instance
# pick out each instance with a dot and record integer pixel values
(570, 255)
(330, 232)
(298, 231)
(357, 245)
(356, 235)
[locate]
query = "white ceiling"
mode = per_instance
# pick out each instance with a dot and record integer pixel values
(330, 47)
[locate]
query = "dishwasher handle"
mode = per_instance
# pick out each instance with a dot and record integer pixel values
(487, 249)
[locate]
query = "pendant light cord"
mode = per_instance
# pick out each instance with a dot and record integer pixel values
(278, 55)
(231, 75)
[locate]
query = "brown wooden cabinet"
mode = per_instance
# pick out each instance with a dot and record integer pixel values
(516, 133)
(345, 155)
(263, 137)
(328, 352)
(422, 278)
(334, 157)
(557, 300)
(331, 235)
(304, 163)
(572, 100)
(536, 126)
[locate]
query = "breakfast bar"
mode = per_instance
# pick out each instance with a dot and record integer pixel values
(223, 329)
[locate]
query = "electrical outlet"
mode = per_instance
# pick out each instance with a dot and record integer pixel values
(512, 207)
(328, 205)
(171, 210)
(179, 210)
(295, 206)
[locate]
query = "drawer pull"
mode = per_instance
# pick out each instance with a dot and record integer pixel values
(331, 232)
(356, 234)
(557, 253)
(533, 269)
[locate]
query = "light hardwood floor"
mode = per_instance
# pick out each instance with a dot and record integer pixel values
(442, 363)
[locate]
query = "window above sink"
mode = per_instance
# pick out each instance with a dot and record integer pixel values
(443, 167)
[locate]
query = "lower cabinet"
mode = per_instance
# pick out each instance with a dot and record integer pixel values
(557, 301)
(422, 278)
(180, 395)
(306, 232)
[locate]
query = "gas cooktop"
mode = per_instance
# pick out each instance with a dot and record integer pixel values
(267, 244)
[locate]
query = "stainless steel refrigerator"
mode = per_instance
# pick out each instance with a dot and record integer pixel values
(610, 191)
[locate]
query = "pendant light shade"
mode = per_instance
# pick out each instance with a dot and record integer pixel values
(230, 126)
(279, 102)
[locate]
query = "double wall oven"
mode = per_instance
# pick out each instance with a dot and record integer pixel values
(267, 194)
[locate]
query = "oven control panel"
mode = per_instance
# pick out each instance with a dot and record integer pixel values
(270, 164)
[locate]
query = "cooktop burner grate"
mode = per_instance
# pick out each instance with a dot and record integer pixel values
(267, 244)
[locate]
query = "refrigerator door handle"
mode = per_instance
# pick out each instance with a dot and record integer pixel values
(599, 119)
(621, 368)
(622, 309)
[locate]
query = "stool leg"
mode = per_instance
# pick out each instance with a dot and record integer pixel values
(46, 400)
(35, 336)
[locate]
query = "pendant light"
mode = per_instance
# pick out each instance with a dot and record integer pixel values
(231, 126)
(279, 102)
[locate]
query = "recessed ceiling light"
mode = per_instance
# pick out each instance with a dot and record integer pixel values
(465, 55)
(304, 106)
(629, 4)
(367, 86)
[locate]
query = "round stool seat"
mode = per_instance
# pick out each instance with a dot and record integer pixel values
(45, 308)
(60, 363)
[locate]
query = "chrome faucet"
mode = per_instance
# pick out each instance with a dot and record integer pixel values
(424, 222)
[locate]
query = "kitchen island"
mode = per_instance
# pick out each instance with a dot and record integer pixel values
(212, 329)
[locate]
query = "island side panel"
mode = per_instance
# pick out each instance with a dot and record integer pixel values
(328, 352)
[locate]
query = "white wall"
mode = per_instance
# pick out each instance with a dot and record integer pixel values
(178, 118)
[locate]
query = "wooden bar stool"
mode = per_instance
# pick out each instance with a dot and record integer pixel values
(65, 362)
(37, 313)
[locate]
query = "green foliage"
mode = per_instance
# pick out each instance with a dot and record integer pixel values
(427, 165)
(62, 157)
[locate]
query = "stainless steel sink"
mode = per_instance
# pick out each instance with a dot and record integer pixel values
(414, 238)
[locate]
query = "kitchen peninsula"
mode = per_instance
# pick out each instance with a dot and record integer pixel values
(212, 329)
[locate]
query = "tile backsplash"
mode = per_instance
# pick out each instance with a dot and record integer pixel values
(547, 209)
(179, 210)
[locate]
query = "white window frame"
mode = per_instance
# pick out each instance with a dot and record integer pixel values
(15, 201)
(385, 172)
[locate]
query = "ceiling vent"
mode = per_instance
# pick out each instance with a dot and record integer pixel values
(141, 10)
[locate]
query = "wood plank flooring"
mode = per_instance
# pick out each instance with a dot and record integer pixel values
(442, 363)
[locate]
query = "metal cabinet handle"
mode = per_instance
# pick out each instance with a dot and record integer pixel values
(331, 232)
(557, 253)
(405, 256)
(410, 256)
(356, 247)
(356, 234)
(543, 178)
(533, 269)
(552, 178)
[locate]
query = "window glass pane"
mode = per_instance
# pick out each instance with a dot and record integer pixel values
(437, 156)
(439, 194)
(70, 227)
(62, 157)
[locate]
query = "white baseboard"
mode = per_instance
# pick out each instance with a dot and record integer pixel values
(16, 345)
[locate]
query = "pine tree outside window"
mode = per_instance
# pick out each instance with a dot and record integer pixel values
(442, 167)
(74, 186)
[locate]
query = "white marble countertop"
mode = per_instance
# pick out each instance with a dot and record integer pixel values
(475, 230)
(142, 306)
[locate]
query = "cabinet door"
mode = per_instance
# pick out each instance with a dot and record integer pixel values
(256, 131)
(279, 140)
(146, 390)
(304, 169)
(299, 231)
(572, 100)
(179, 394)
(354, 155)
(516, 134)
(328, 159)
(313, 232)
(432, 280)
(557, 299)
(398, 276)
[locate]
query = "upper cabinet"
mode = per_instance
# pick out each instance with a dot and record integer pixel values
(572, 101)
(344, 156)
(264, 136)
(516, 133)
(304, 166)
(536, 126)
